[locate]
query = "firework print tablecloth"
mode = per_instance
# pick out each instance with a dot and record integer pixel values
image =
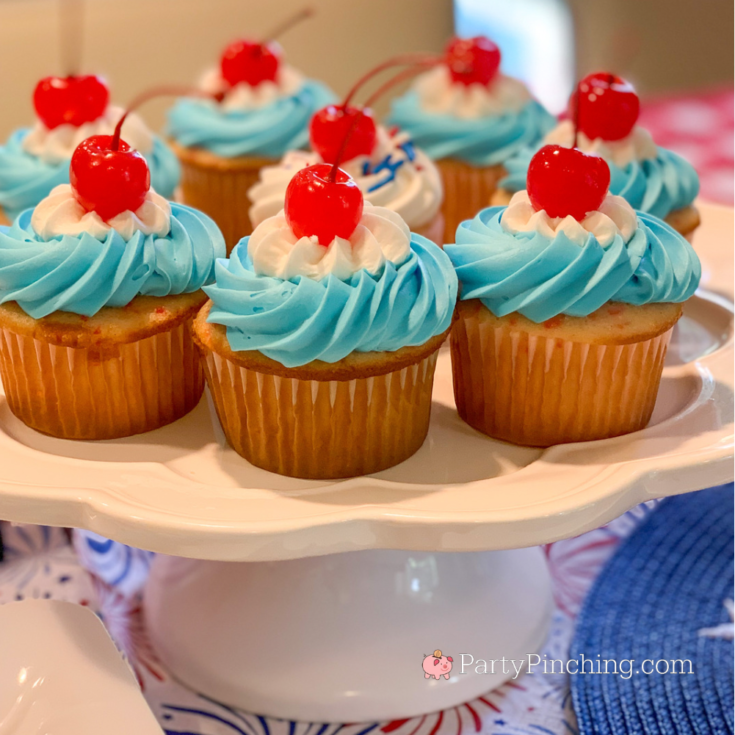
(41, 562)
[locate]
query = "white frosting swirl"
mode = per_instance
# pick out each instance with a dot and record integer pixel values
(243, 96)
(438, 94)
(415, 192)
(614, 217)
(57, 145)
(637, 146)
(381, 236)
(61, 214)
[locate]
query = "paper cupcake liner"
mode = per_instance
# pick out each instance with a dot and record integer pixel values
(467, 190)
(74, 393)
(322, 429)
(222, 193)
(539, 391)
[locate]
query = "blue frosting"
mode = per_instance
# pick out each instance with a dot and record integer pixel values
(267, 131)
(483, 141)
(657, 186)
(80, 274)
(26, 179)
(300, 320)
(541, 277)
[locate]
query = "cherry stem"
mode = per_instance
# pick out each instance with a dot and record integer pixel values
(163, 91)
(577, 105)
(289, 23)
(401, 76)
(71, 27)
(340, 153)
(402, 60)
(405, 74)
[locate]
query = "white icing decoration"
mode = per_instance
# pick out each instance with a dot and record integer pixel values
(415, 192)
(440, 95)
(61, 214)
(243, 96)
(638, 146)
(381, 236)
(614, 217)
(57, 145)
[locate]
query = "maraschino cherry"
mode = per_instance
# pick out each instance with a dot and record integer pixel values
(108, 177)
(605, 106)
(566, 181)
(325, 201)
(472, 60)
(251, 62)
(330, 125)
(333, 124)
(254, 62)
(72, 100)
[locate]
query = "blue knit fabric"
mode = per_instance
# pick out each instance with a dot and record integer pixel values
(665, 583)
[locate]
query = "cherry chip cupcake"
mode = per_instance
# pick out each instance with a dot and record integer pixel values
(98, 287)
(263, 111)
(69, 110)
(568, 300)
(652, 179)
(470, 119)
(389, 170)
(322, 333)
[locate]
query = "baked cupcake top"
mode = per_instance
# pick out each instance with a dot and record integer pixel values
(466, 109)
(266, 119)
(396, 175)
(652, 179)
(297, 294)
(104, 239)
(35, 160)
(521, 258)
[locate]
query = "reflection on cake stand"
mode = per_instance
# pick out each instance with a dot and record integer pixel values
(295, 629)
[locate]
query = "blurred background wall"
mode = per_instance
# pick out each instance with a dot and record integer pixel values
(138, 43)
(664, 45)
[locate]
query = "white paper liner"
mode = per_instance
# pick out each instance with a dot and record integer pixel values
(322, 429)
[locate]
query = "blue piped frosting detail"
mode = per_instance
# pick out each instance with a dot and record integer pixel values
(390, 165)
(80, 274)
(300, 320)
(267, 131)
(25, 179)
(483, 141)
(542, 278)
(657, 186)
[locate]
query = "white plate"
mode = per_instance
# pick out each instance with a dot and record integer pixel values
(180, 490)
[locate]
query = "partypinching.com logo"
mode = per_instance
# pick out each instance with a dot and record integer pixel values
(435, 665)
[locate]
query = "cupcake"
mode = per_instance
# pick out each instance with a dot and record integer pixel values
(568, 300)
(321, 337)
(69, 110)
(263, 112)
(391, 173)
(98, 287)
(470, 119)
(652, 179)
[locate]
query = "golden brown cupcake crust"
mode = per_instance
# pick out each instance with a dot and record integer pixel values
(143, 317)
(356, 365)
(614, 323)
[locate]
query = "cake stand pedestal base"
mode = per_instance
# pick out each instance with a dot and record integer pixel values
(342, 638)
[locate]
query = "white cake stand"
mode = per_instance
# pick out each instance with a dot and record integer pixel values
(303, 632)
